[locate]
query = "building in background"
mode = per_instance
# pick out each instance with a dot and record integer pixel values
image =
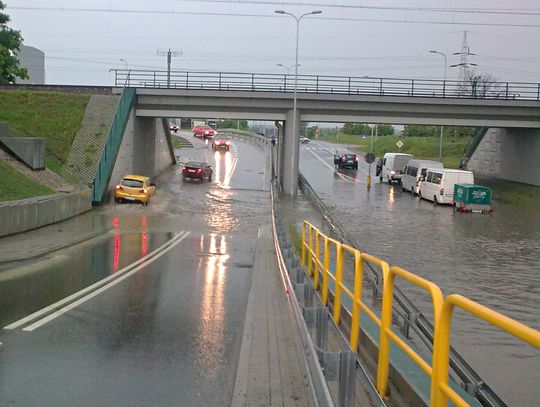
(34, 61)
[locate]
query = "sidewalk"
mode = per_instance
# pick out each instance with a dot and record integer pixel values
(268, 372)
(49, 238)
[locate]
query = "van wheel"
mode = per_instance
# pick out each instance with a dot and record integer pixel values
(380, 178)
(435, 200)
(412, 190)
(389, 181)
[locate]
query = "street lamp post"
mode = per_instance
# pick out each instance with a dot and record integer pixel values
(127, 69)
(287, 67)
(444, 85)
(296, 151)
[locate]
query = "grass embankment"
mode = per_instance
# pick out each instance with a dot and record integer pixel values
(56, 116)
(420, 147)
(512, 193)
(14, 185)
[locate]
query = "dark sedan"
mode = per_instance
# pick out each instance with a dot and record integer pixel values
(346, 161)
(197, 170)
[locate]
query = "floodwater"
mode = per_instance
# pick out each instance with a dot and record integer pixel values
(492, 259)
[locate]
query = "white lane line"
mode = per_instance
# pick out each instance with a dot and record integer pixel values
(74, 296)
(318, 157)
(93, 294)
(332, 152)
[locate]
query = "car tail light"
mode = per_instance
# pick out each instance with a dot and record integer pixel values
(355, 158)
(119, 187)
(183, 168)
(143, 191)
(218, 142)
(343, 158)
(228, 143)
(441, 191)
(199, 169)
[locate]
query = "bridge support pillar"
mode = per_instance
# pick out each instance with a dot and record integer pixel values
(291, 153)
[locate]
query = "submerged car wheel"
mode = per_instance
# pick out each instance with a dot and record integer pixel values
(210, 178)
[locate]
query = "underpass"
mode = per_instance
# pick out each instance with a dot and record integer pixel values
(153, 310)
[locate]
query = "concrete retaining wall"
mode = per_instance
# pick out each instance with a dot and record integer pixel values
(31, 150)
(509, 154)
(27, 214)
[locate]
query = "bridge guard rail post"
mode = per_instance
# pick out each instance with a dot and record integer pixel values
(386, 333)
(440, 390)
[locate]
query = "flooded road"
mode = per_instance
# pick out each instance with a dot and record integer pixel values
(151, 310)
(492, 259)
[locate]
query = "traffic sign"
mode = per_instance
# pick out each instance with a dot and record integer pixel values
(399, 144)
(369, 157)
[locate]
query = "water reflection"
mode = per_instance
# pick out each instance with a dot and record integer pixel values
(227, 163)
(212, 327)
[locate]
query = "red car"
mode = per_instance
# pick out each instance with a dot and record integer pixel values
(197, 170)
(221, 143)
(204, 131)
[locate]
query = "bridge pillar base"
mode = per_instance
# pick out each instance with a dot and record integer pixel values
(291, 153)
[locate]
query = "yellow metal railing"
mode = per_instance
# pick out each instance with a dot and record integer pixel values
(319, 269)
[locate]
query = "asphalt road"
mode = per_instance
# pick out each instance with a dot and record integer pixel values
(150, 313)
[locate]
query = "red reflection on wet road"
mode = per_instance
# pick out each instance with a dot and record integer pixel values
(116, 259)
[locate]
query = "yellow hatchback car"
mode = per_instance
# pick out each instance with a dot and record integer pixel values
(134, 188)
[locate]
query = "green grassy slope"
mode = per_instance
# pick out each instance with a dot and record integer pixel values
(14, 185)
(56, 116)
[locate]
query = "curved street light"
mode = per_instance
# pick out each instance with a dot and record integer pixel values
(287, 67)
(295, 156)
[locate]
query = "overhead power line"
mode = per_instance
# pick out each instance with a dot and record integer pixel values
(461, 10)
(172, 12)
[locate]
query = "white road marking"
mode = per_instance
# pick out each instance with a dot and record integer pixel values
(318, 157)
(93, 294)
(92, 287)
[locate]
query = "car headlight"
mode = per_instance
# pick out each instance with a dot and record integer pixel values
(392, 173)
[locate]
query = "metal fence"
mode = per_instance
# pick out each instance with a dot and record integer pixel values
(318, 84)
(318, 248)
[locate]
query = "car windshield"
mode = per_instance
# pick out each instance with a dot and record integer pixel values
(194, 164)
(134, 183)
(206, 127)
(350, 156)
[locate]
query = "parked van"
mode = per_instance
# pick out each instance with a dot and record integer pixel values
(393, 165)
(414, 171)
(438, 185)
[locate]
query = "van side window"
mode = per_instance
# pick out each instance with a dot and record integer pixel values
(384, 162)
(424, 172)
(429, 176)
(437, 176)
(414, 171)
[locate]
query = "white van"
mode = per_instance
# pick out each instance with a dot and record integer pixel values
(438, 185)
(414, 171)
(393, 165)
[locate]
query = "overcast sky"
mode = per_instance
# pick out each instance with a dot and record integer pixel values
(83, 39)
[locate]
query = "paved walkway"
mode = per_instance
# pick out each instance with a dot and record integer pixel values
(269, 367)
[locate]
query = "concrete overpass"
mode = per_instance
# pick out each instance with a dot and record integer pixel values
(277, 105)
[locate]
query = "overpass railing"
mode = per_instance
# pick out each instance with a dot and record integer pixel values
(319, 84)
(317, 249)
(112, 146)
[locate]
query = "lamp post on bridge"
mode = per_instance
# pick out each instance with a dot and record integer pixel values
(169, 55)
(296, 152)
(288, 67)
(127, 69)
(444, 84)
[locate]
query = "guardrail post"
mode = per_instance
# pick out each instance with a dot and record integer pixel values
(310, 255)
(324, 296)
(355, 324)
(384, 339)
(412, 87)
(303, 259)
(316, 263)
(538, 93)
(380, 87)
(321, 332)
(506, 91)
(339, 283)
(187, 80)
(443, 88)
(349, 87)
(220, 81)
(252, 82)
(317, 85)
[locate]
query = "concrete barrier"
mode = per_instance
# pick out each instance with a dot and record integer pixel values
(27, 214)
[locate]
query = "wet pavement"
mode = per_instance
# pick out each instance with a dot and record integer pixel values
(493, 259)
(166, 328)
